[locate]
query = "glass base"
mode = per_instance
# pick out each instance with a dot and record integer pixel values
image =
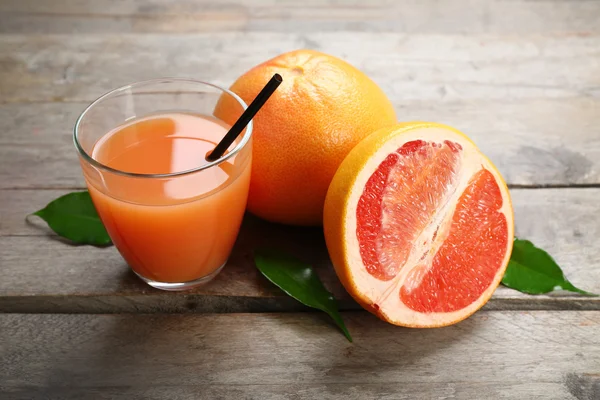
(181, 286)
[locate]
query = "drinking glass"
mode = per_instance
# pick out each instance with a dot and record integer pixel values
(173, 229)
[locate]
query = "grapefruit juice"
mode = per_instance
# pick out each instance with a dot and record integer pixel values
(172, 223)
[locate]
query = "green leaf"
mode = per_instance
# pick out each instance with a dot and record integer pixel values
(300, 281)
(531, 270)
(73, 216)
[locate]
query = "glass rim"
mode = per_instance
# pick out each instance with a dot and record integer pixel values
(88, 158)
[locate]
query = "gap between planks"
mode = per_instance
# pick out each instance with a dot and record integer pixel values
(182, 303)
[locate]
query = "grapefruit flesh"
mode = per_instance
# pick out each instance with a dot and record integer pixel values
(419, 225)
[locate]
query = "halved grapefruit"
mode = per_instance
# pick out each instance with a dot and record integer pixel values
(419, 225)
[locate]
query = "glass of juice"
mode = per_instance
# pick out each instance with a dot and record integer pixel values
(172, 215)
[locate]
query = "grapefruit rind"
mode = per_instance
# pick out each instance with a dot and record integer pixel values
(340, 224)
(322, 109)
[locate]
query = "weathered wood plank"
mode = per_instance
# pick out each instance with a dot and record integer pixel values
(415, 16)
(308, 391)
(408, 67)
(499, 355)
(41, 274)
(346, 391)
(498, 90)
(532, 141)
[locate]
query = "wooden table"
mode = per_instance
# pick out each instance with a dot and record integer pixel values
(521, 77)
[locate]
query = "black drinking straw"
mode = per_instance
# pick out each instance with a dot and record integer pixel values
(245, 118)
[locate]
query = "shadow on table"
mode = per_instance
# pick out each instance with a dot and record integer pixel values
(160, 350)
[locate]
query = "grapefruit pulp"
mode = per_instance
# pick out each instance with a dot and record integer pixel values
(419, 225)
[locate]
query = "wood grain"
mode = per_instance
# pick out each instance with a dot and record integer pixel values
(536, 123)
(42, 274)
(499, 355)
(533, 142)
(308, 391)
(407, 66)
(521, 77)
(414, 16)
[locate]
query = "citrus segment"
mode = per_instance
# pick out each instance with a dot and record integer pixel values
(419, 225)
(399, 201)
(471, 255)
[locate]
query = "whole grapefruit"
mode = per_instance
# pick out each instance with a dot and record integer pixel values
(323, 108)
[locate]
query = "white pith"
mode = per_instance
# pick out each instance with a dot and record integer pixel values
(385, 294)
